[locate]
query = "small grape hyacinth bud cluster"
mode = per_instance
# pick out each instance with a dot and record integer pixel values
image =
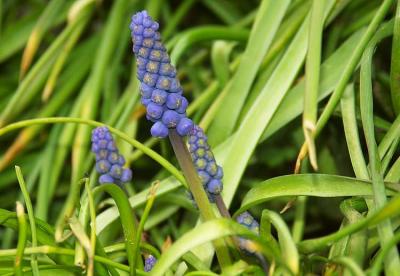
(160, 89)
(109, 163)
(209, 172)
(149, 263)
(247, 220)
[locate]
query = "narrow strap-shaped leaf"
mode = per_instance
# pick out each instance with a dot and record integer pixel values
(319, 185)
(269, 17)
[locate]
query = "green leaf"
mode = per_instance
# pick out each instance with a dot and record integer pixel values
(268, 19)
(196, 35)
(351, 133)
(288, 247)
(204, 233)
(395, 62)
(106, 217)
(319, 185)
(331, 70)
(385, 229)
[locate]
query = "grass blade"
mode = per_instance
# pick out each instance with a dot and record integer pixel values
(146, 212)
(395, 62)
(288, 247)
(199, 34)
(319, 185)
(293, 103)
(268, 19)
(312, 77)
(351, 134)
(346, 74)
(28, 203)
(21, 239)
(385, 231)
(45, 21)
(206, 232)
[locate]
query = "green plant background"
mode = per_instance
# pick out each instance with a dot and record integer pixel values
(299, 98)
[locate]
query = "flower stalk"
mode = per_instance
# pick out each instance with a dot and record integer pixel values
(196, 187)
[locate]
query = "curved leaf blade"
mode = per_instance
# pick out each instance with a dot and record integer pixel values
(318, 185)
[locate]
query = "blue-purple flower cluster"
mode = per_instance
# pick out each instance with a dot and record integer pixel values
(160, 89)
(109, 163)
(209, 172)
(149, 262)
(247, 220)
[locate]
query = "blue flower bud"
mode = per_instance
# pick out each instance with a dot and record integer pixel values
(214, 186)
(163, 83)
(102, 143)
(212, 168)
(220, 173)
(101, 154)
(126, 175)
(200, 163)
(154, 110)
(103, 166)
(145, 102)
(146, 91)
(113, 157)
(106, 178)
(185, 125)
(170, 118)
(184, 104)
(204, 177)
(159, 130)
(152, 67)
(159, 96)
(116, 171)
(174, 101)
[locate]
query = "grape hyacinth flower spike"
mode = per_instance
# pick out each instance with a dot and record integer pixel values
(247, 220)
(109, 163)
(166, 108)
(160, 88)
(203, 159)
(149, 262)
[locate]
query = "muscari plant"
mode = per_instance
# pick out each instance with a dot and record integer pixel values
(166, 107)
(257, 81)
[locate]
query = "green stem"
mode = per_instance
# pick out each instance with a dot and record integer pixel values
(389, 210)
(196, 35)
(53, 120)
(19, 254)
(177, 16)
(385, 230)
(348, 71)
(199, 195)
(92, 211)
(312, 78)
(377, 264)
(344, 261)
(31, 216)
(219, 201)
(68, 210)
(70, 268)
(395, 63)
(146, 212)
(127, 220)
(64, 251)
